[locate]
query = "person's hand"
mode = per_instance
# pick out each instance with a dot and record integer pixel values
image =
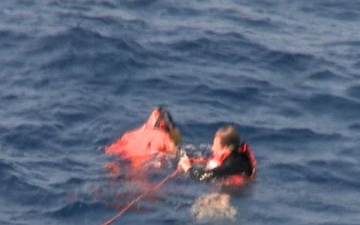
(172, 148)
(184, 163)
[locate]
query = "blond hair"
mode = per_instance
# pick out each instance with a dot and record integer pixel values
(228, 136)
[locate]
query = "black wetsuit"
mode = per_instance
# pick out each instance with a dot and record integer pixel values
(237, 163)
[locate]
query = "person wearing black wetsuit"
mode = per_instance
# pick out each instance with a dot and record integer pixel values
(230, 157)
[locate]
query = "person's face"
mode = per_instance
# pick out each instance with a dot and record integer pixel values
(217, 147)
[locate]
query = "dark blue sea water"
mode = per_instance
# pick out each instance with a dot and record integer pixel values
(75, 75)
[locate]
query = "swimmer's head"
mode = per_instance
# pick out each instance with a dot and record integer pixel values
(228, 137)
(161, 118)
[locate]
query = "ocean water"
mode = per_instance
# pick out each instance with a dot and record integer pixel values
(75, 75)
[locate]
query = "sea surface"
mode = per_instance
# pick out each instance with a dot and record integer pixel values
(76, 74)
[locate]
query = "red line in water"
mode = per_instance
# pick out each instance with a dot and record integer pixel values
(112, 219)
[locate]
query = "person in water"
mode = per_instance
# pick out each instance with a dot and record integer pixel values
(231, 160)
(158, 135)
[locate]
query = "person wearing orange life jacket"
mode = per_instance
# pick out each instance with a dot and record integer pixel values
(158, 134)
(232, 160)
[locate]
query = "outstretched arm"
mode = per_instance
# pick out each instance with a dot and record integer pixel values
(232, 166)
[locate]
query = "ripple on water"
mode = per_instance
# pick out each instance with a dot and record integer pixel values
(354, 92)
(334, 106)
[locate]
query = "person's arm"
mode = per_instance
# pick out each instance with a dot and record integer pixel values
(206, 175)
(231, 166)
(202, 174)
(184, 163)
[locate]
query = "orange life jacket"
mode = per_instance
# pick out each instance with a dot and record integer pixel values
(238, 180)
(246, 150)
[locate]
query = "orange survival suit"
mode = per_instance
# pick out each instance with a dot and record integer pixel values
(139, 145)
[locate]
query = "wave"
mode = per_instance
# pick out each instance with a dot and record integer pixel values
(288, 62)
(10, 38)
(354, 92)
(228, 47)
(333, 10)
(76, 208)
(21, 187)
(328, 104)
(325, 75)
(292, 135)
(291, 172)
(336, 173)
(31, 136)
(77, 49)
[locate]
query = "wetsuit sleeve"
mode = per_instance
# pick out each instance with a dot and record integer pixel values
(232, 166)
(201, 174)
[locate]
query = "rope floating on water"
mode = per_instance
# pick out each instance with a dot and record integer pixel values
(154, 188)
